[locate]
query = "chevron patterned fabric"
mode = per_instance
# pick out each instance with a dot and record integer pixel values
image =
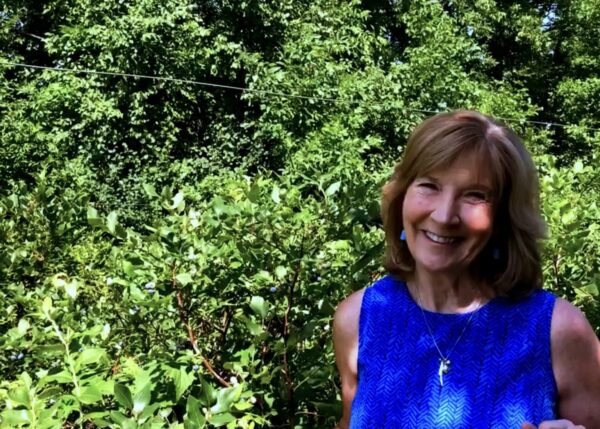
(501, 370)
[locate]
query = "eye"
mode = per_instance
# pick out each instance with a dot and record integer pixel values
(428, 185)
(477, 196)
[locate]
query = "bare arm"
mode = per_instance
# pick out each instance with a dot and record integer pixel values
(576, 365)
(345, 343)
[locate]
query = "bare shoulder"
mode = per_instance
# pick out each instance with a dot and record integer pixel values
(345, 343)
(576, 364)
(571, 328)
(347, 314)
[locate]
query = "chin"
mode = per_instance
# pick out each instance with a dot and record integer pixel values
(441, 266)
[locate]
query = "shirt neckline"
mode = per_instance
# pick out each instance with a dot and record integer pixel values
(404, 289)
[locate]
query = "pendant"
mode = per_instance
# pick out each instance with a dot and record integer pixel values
(443, 369)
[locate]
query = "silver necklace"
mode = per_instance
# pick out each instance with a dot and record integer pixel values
(444, 367)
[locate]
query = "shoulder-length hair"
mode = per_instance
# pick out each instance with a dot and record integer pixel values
(510, 262)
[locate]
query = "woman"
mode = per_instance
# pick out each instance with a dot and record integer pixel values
(460, 334)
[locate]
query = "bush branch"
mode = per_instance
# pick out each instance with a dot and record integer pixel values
(183, 316)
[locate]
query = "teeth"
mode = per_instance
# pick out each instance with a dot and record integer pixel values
(440, 239)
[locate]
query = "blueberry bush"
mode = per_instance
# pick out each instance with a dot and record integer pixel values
(171, 252)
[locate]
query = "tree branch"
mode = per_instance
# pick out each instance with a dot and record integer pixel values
(286, 334)
(183, 316)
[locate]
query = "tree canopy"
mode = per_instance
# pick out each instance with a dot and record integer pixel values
(188, 188)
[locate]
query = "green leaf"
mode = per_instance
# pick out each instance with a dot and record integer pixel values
(269, 399)
(111, 222)
(193, 418)
(71, 288)
(338, 245)
(89, 395)
(184, 278)
(47, 305)
(178, 201)
(49, 393)
(254, 192)
(23, 327)
(370, 255)
(569, 217)
(105, 331)
(275, 195)
(280, 271)
(58, 281)
(63, 376)
(141, 399)
(149, 411)
(209, 395)
(123, 396)
(182, 380)
(333, 188)
(93, 218)
(122, 421)
(242, 406)
(14, 418)
(219, 206)
(253, 327)
(12, 201)
(93, 355)
(128, 268)
(19, 396)
(225, 398)
(221, 419)
(150, 190)
(592, 289)
(258, 305)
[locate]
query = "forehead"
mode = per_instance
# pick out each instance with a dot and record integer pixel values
(467, 169)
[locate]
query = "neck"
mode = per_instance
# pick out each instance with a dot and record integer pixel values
(443, 293)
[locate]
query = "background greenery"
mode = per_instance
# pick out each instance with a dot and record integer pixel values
(171, 254)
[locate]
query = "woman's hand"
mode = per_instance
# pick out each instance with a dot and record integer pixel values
(553, 424)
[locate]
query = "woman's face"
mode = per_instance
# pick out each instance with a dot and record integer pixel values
(448, 216)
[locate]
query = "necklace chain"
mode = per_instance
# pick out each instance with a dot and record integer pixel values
(444, 360)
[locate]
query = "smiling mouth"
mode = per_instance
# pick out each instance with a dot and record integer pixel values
(440, 238)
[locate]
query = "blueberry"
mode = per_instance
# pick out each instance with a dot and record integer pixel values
(149, 285)
(318, 278)
(196, 367)
(273, 289)
(13, 357)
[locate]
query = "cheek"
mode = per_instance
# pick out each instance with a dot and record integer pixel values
(480, 219)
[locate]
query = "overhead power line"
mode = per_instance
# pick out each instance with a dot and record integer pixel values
(167, 79)
(260, 91)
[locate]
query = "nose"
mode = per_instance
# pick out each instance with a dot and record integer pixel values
(446, 210)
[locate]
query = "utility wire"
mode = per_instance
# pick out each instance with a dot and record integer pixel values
(260, 91)
(167, 79)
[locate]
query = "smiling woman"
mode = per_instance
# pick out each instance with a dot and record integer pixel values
(460, 334)
(494, 164)
(448, 216)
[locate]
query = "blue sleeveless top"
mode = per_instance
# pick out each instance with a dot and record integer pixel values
(500, 373)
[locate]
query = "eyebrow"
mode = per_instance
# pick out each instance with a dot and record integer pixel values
(475, 186)
(480, 187)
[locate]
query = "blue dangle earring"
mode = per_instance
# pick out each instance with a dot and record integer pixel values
(403, 235)
(496, 253)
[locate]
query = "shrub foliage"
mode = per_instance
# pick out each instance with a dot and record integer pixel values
(171, 252)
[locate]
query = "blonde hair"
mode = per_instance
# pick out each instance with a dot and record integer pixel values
(518, 225)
